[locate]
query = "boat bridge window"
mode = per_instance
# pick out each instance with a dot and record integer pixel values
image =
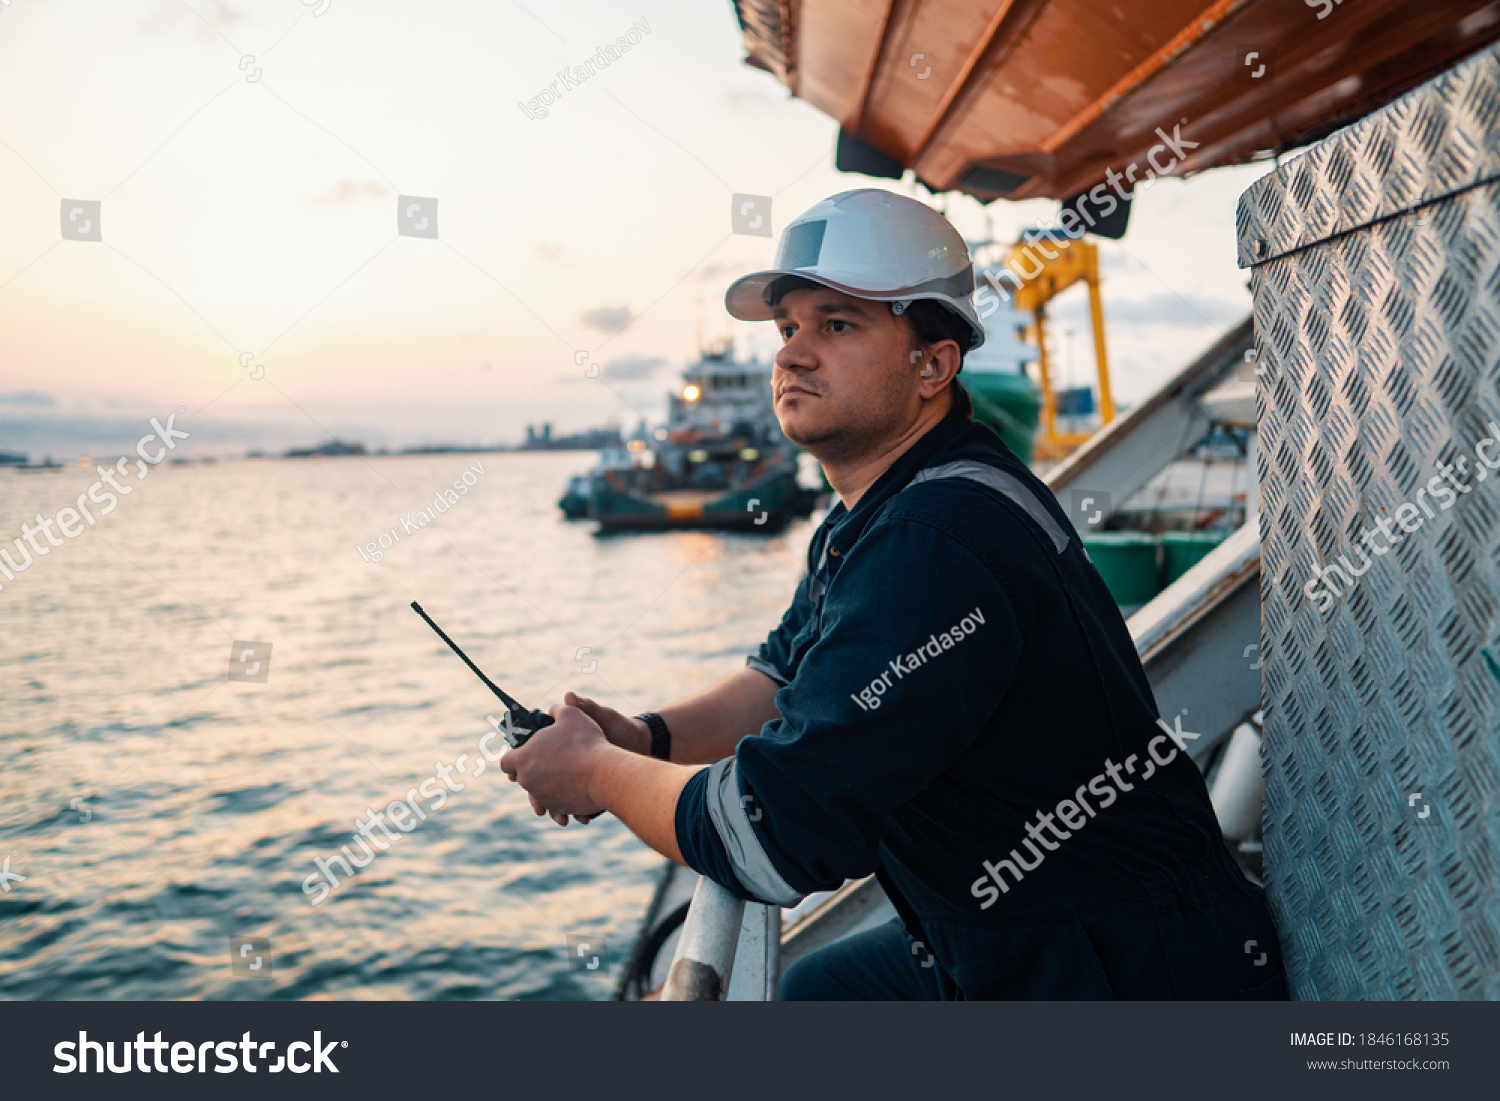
(730, 382)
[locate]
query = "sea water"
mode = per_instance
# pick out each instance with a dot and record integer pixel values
(161, 811)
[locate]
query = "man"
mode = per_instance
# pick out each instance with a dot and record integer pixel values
(952, 702)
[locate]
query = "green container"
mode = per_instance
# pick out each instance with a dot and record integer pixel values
(1008, 402)
(1182, 550)
(1127, 562)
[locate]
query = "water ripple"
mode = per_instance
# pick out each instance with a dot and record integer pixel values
(158, 809)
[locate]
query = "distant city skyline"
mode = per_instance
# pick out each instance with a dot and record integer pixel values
(248, 220)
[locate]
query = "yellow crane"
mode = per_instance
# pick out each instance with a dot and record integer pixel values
(1039, 267)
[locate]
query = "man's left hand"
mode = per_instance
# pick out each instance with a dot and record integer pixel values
(558, 761)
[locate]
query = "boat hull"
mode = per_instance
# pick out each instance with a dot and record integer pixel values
(574, 506)
(764, 506)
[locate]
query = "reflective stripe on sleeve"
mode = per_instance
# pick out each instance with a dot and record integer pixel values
(731, 819)
(761, 665)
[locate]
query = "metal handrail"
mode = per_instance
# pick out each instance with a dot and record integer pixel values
(704, 960)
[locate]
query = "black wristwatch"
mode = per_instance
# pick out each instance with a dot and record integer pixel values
(661, 737)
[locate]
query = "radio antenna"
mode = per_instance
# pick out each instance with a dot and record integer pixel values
(491, 685)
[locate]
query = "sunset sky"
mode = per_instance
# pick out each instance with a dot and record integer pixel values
(259, 215)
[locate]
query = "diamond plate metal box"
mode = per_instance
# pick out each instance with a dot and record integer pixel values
(1375, 264)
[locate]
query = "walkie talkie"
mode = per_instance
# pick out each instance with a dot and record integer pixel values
(520, 724)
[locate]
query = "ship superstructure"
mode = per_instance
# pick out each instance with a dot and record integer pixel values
(720, 461)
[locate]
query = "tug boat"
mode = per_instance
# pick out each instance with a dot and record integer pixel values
(720, 462)
(575, 499)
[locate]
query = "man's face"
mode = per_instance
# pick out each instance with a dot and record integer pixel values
(844, 381)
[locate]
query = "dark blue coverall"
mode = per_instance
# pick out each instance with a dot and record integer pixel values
(965, 716)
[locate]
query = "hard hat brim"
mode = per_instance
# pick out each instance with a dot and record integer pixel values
(746, 297)
(745, 300)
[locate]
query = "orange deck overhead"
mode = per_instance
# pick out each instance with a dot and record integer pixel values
(1027, 98)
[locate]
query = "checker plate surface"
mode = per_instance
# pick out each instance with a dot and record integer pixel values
(1376, 273)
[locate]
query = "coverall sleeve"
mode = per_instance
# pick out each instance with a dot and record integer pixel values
(774, 657)
(918, 645)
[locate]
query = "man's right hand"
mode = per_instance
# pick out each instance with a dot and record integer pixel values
(621, 730)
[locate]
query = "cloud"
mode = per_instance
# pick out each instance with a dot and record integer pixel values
(206, 26)
(30, 398)
(633, 368)
(724, 270)
(608, 319)
(1179, 311)
(554, 254)
(348, 192)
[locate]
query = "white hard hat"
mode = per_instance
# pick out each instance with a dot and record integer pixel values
(870, 244)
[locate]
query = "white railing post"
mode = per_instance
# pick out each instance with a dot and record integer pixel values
(756, 966)
(1240, 786)
(704, 960)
